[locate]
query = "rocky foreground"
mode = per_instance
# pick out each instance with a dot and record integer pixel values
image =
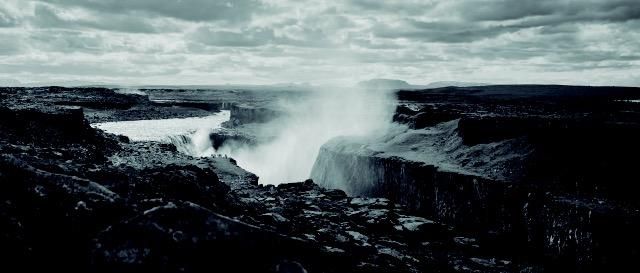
(76, 199)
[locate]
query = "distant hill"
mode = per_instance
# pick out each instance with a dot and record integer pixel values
(247, 87)
(452, 83)
(524, 91)
(71, 83)
(403, 85)
(385, 84)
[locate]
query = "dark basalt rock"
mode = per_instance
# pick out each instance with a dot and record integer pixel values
(428, 116)
(224, 136)
(103, 104)
(143, 206)
(186, 237)
(527, 169)
(525, 190)
(505, 93)
(41, 124)
(244, 113)
(63, 131)
(96, 98)
(207, 106)
(51, 216)
(170, 182)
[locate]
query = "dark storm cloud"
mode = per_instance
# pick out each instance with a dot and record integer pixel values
(190, 10)
(496, 10)
(468, 21)
(570, 11)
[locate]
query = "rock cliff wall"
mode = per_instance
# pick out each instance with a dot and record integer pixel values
(495, 186)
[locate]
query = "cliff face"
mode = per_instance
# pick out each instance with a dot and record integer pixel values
(541, 175)
(244, 113)
(430, 171)
(439, 147)
(520, 215)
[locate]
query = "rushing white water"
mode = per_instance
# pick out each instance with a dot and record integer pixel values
(307, 124)
(190, 135)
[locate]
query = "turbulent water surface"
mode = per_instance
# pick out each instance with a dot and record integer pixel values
(190, 135)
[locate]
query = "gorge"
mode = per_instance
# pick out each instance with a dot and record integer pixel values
(489, 178)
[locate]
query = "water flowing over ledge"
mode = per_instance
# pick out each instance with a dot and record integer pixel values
(189, 135)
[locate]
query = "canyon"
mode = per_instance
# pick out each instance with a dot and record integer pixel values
(488, 178)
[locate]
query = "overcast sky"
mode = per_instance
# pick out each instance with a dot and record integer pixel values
(592, 42)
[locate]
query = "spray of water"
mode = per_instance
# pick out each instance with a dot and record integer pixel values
(130, 91)
(196, 144)
(308, 124)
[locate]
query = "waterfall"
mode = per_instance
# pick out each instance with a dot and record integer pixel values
(190, 135)
(196, 144)
(308, 122)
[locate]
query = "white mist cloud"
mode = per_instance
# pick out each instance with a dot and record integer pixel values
(307, 125)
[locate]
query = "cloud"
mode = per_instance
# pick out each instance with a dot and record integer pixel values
(411, 7)
(214, 41)
(46, 16)
(243, 38)
(297, 35)
(6, 19)
(549, 10)
(445, 32)
(66, 41)
(10, 45)
(190, 10)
